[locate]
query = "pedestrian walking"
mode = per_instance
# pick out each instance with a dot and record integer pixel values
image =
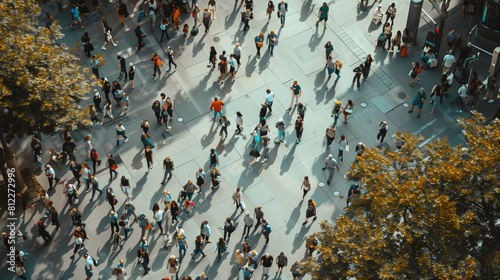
(42, 232)
(229, 228)
(122, 11)
(306, 186)
(201, 178)
(173, 267)
(448, 61)
(183, 246)
(130, 210)
(207, 20)
(198, 247)
(491, 88)
(450, 39)
(239, 123)
(148, 155)
(238, 200)
(164, 28)
(265, 150)
(367, 65)
(343, 146)
(446, 81)
(299, 127)
(123, 68)
(111, 198)
(222, 69)
(120, 131)
(174, 211)
(176, 16)
(76, 217)
(212, 59)
(54, 216)
(205, 231)
(145, 129)
(145, 225)
(353, 192)
(125, 187)
(269, 11)
(338, 67)
(140, 37)
(248, 220)
(190, 188)
(216, 106)
(94, 65)
(233, 69)
(156, 107)
(106, 87)
(280, 125)
(282, 10)
(239, 258)
(296, 93)
(348, 109)
(281, 261)
(152, 13)
(171, 56)
(336, 109)
(262, 112)
(158, 215)
(331, 164)
(246, 16)
(97, 101)
(436, 95)
(124, 223)
(71, 193)
(168, 166)
(117, 92)
(76, 17)
(51, 176)
(266, 262)
(93, 115)
(78, 244)
(323, 14)
(156, 65)
(272, 41)
(462, 94)
(87, 46)
(266, 230)
(382, 131)
(214, 158)
(108, 39)
(112, 167)
(390, 14)
(95, 186)
(258, 215)
(311, 211)
(301, 110)
(416, 69)
(113, 222)
(216, 178)
(328, 50)
(295, 270)
(259, 39)
(358, 71)
(418, 101)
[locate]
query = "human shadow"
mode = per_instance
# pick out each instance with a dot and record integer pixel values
(294, 217)
(251, 65)
(315, 39)
(287, 160)
(306, 10)
(299, 239)
(264, 60)
(363, 10)
(207, 139)
(137, 160)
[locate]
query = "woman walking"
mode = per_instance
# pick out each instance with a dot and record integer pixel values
(148, 155)
(112, 167)
(88, 145)
(207, 20)
(108, 38)
(212, 57)
(125, 106)
(221, 247)
(419, 101)
(124, 223)
(174, 211)
(270, 10)
(239, 123)
(201, 178)
(368, 64)
(417, 69)
(299, 127)
(216, 178)
(306, 186)
(86, 174)
(158, 216)
(107, 111)
(436, 96)
(156, 107)
(342, 147)
(94, 157)
(120, 130)
(348, 110)
(212, 7)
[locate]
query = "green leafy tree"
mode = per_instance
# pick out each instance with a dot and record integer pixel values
(39, 80)
(423, 214)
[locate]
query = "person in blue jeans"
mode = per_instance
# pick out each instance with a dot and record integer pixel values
(95, 186)
(282, 9)
(198, 244)
(272, 40)
(181, 241)
(280, 125)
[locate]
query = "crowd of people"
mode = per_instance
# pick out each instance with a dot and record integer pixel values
(171, 210)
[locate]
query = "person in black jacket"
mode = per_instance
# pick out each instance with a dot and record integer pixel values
(140, 35)
(123, 67)
(43, 232)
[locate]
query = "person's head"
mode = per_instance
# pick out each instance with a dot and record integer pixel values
(330, 58)
(324, 4)
(300, 105)
(94, 58)
(212, 151)
(228, 220)
(147, 149)
(393, 5)
(120, 123)
(248, 11)
(110, 156)
(172, 257)
(295, 83)
(111, 213)
(453, 31)
(272, 33)
(422, 90)
(144, 135)
(263, 122)
(361, 66)
(332, 127)
(205, 222)
(259, 207)
(215, 98)
(261, 35)
(282, 254)
(384, 123)
(350, 102)
(119, 57)
(264, 222)
(330, 156)
(138, 26)
(238, 189)
(47, 167)
(39, 223)
(342, 137)
(299, 119)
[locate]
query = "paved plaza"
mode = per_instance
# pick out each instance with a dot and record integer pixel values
(275, 184)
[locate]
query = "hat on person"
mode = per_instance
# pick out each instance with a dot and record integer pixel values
(248, 213)
(337, 102)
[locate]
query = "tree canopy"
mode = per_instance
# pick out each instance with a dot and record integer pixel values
(39, 80)
(424, 215)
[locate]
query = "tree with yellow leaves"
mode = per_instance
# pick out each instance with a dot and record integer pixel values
(423, 214)
(39, 80)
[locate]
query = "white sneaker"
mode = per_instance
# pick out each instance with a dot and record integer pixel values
(115, 44)
(491, 101)
(103, 48)
(125, 141)
(122, 113)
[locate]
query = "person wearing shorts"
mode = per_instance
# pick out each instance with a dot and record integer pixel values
(323, 14)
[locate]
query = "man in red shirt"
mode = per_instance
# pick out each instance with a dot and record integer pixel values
(216, 106)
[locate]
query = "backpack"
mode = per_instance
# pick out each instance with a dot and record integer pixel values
(119, 94)
(336, 109)
(228, 123)
(404, 50)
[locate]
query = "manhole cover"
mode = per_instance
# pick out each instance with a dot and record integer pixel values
(406, 105)
(336, 193)
(321, 184)
(345, 176)
(216, 39)
(402, 95)
(363, 104)
(180, 119)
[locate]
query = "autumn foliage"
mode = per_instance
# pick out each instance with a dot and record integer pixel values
(39, 80)
(428, 212)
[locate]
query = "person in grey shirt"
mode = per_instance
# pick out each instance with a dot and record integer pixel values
(330, 163)
(259, 215)
(248, 219)
(282, 9)
(190, 188)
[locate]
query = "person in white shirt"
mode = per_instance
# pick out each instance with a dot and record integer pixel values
(269, 99)
(234, 66)
(462, 92)
(448, 61)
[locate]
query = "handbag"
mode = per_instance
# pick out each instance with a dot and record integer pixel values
(278, 14)
(242, 204)
(348, 110)
(82, 251)
(254, 153)
(114, 166)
